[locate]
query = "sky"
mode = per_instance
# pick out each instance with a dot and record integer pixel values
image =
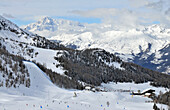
(126, 13)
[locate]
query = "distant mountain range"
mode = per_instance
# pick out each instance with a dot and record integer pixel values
(147, 46)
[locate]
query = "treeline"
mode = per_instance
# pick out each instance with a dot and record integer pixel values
(19, 74)
(60, 80)
(42, 42)
(157, 79)
(12, 70)
(92, 66)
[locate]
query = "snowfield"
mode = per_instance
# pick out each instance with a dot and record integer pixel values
(44, 95)
(46, 58)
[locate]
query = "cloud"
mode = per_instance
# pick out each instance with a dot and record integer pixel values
(127, 13)
(167, 12)
(161, 5)
(140, 12)
(33, 18)
(116, 17)
(96, 12)
(156, 5)
(138, 3)
(8, 15)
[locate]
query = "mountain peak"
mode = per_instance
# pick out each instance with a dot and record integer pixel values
(46, 21)
(46, 17)
(7, 25)
(49, 24)
(155, 28)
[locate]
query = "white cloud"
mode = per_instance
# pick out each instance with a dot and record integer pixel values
(141, 12)
(98, 13)
(156, 5)
(33, 18)
(160, 5)
(8, 15)
(127, 13)
(116, 17)
(138, 3)
(167, 12)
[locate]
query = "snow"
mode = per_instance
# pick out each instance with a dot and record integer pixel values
(9, 23)
(168, 70)
(48, 25)
(43, 93)
(132, 86)
(19, 36)
(11, 35)
(157, 59)
(4, 77)
(166, 53)
(46, 58)
(146, 90)
(128, 43)
(103, 36)
(116, 65)
(162, 106)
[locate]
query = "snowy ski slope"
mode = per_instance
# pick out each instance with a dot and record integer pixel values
(43, 95)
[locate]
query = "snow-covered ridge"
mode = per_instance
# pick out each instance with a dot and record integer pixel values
(7, 23)
(128, 44)
(100, 36)
(9, 30)
(125, 42)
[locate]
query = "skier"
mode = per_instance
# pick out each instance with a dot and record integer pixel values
(75, 95)
(108, 103)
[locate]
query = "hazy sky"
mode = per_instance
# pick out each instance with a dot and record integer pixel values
(117, 12)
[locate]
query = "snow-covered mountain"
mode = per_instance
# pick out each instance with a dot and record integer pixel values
(46, 25)
(129, 44)
(63, 63)
(52, 65)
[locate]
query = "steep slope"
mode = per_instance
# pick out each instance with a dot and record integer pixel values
(12, 71)
(12, 31)
(132, 45)
(33, 47)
